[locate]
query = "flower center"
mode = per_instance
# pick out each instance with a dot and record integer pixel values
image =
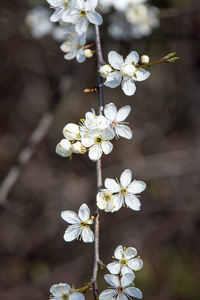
(123, 191)
(123, 262)
(107, 197)
(98, 140)
(65, 296)
(66, 4)
(83, 13)
(127, 70)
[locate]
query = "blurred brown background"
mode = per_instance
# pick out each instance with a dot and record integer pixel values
(164, 153)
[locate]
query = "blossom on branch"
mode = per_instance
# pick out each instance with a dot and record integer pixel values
(125, 72)
(121, 289)
(125, 192)
(63, 291)
(82, 14)
(80, 224)
(62, 8)
(117, 120)
(126, 261)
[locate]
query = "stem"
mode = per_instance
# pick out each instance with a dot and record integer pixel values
(100, 61)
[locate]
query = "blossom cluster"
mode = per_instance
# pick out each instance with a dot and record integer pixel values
(94, 133)
(77, 14)
(120, 279)
(125, 72)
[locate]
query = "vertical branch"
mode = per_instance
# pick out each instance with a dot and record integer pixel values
(98, 166)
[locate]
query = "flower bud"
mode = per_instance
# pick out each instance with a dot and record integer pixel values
(77, 147)
(70, 131)
(88, 53)
(127, 70)
(64, 148)
(144, 59)
(105, 70)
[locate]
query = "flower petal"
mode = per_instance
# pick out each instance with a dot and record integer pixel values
(119, 251)
(80, 56)
(70, 217)
(135, 264)
(134, 292)
(142, 75)
(130, 252)
(87, 235)
(110, 111)
(126, 270)
(113, 79)
(132, 201)
(90, 4)
(132, 57)
(112, 185)
(113, 280)
(123, 113)
(127, 279)
(128, 86)
(59, 289)
(107, 147)
(95, 18)
(95, 152)
(124, 131)
(76, 296)
(114, 267)
(126, 178)
(72, 233)
(136, 187)
(84, 212)
(115, 60)
(107, 294)
(108, 134)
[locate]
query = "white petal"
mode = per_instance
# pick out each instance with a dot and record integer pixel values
(55, 17)
(113, 79)
(114, 268)
(81, 26)
(95, 18)
(127, 279)
(73, 17)
(80, 56)
(95, 152)
(126, 178)
(128, 86)
(132, 57)
(87, 235)
(76, 296)
(141, 74)
(126, 270)
(134, 292)
(58, 289)
(123, 113)
(117, 202)
(110, 111)
(113, 280)
(132, 201)
(70, 217)
(121, 297)
(112, 185)
(84, 212)
(124, 131)
(107, 294)
(90, 4)
(108, 134)
(87, 141)
(130, 252)
(115, 60)
(135, 264)
(70, 55)
(118, 253)
(72, 233)
(136, 187)
(106, 147)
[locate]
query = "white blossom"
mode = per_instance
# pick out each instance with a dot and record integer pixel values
(64, 148)
(62, 8)
(74, 47)
(121, 289)
(80, 224)
(88, 53)
(105, 70)
(125, 192)
(125, 72)
(70, 131)
(117, 120)
(105, 200)
(126, 261)
(63, 291)
(82, 14)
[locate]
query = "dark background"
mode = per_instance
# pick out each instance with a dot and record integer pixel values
(164, 153)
